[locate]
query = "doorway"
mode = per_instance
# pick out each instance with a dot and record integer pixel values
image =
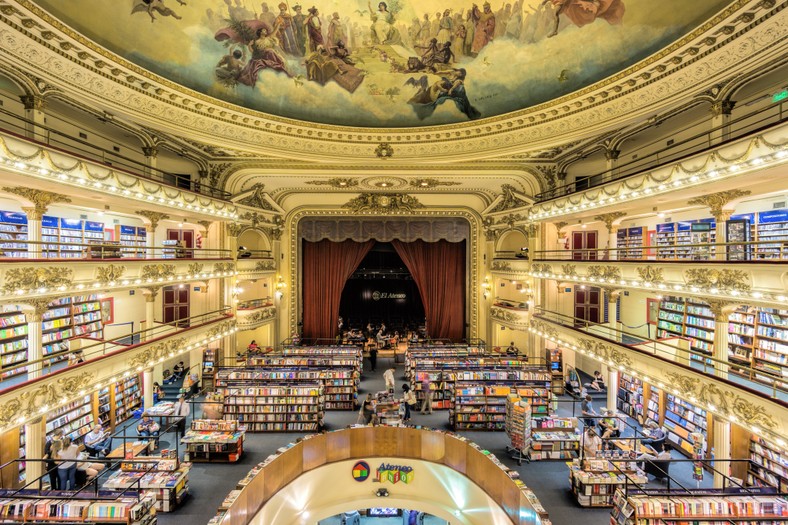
(583, 245)
(176, 305)
(586, 305)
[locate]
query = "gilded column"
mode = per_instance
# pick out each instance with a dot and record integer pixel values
(719, 205)
(35, 116)
(147, 388)
(151, 153)
(35, 349)
(34, 216)
(40, 201)
(150, 313)
(152, 219)
(721, 311)
(35, 436)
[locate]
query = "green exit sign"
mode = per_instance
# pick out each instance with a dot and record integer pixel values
(780, 96)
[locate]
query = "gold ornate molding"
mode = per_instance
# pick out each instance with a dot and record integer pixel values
(543, 328)
(431, 183)
(384, 150)
(650, 274)
(265, 265)
(605, 273)
(500, 266)
(569, 270)
(33, 402)
(541, 268)
(158, 271)
(723, 280)
(159, 351)
(224, 267)
(256, 199)
(255, 318)
(154, 217)
(609, 218)
(717, 201)
(196, 268)
(336, 182)
(41, 200)
(728, 403)
(36, 278)
(505, 316)
(509, 200)
(234, 229)
(110, 273)
(383, 203)
(605, 352)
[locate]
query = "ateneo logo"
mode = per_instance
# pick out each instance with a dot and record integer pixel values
(361, 471)
(376, 295)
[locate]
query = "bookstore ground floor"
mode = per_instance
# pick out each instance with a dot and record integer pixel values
(209, 483)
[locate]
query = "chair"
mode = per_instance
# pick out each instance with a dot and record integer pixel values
(658, 469)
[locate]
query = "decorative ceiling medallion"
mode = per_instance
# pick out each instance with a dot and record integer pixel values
(384, 183)
(383, 203)
(384, 150)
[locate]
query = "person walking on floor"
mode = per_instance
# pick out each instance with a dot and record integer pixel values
(388, 377)
(50, 456)
(182, 410)
(426, 389)
(588, 412)
(409, 400)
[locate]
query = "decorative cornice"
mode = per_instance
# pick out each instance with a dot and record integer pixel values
(650, 274)
(37, 278)
(157, 271)
(509, 200)
(541, 268)
(224, 268)
(154, 353)
(605, 273)
(500, 266)
(431, 183)
(255, 318)
(505, 316)
(717, 201)
(234, 229)
(605, 352)
(383, 203)
(153, 217)
(569, 270)
(41, 200)
(196, 268)
(256, 199)
(110, 273)
(729, 404)
(265, 265)
(384, 150)
(722, 280)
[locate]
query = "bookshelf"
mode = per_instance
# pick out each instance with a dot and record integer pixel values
(556, 366)
(266, 402)
(441, 387)
(340, 388)
(51, 507)
(594, 481)
(772, 228)
(484, 407)
(683, 418)
(13, 234)
(629, 398)
(214, 440)
(71, 234)
(103, 404)
(128, 398)
(770, 347)
(132, 240)
(164, 479)
(74, 419)
(554, 438)
(768, 465)
(13, 341)
(518, 425)
(656, 507)
(629, 242)
(673, 238)
(655, 410)
(209, 364)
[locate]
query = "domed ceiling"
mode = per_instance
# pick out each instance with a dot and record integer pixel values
(401, 63)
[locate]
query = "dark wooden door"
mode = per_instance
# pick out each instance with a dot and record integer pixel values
(587, 308)
(582, 241)
(176, 305)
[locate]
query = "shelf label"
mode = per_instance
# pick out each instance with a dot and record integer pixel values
(49, 222)
(71, 224)
(13, 217)
(773, 216)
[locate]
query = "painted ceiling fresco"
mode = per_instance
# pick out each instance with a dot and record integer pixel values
(400, 63)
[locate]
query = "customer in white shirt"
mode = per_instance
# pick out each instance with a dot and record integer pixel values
(388, 377)
(591, 442)
(98, 442)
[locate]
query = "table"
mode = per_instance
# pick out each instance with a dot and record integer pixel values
(136, 447)
(626, 446)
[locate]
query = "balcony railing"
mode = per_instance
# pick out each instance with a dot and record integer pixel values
(701, 138)
(22, 128)
(96, 349)
(17, 250)
(763, 382)
(751, 251)
(253, 304)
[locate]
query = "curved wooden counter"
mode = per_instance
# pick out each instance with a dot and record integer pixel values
(433, 446)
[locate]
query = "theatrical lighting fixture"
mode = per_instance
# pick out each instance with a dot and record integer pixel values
(382, 493)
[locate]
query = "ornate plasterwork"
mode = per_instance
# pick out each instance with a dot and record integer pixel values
(605, 273)
(35, 278)
(196, 268)
(605, 352)
(431, 183)
(151, 354)
(336, 182)
(47, 394)
(724, 280)
(256, 318)
(717, 201)
(543, 328)
(650, 274)
(234, 229)
(509, 199)
(726, 402)
(384, 151)
(224, 267)
(541, 268)
(383, 203)
(109, 273)
(265, 265)
(609, 218)
(158, 271)
(154, 217)
(257, 198)
(500, 266)
(40, 199)
(726, 40)
(569, 270)
(503, 315)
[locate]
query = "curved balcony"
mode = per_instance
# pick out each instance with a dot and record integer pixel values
(511, 314)
(739, 393)
(105, 362)
(255, 313)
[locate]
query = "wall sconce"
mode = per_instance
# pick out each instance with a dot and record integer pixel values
(280, 287)
(236, 291)
(486, 287)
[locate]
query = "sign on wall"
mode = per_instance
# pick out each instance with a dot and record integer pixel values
(361, 471)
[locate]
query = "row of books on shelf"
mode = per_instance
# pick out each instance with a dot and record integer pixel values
(62, 509)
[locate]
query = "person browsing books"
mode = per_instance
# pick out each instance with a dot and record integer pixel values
(98, 441)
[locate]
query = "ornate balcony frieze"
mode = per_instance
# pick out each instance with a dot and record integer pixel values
(255, 318)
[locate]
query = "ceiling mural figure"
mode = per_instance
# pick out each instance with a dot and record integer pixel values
(384, 64)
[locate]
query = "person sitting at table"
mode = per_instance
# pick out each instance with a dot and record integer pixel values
(97, 441)
(654, 434)
(598, 383)
(380, 338)
(512, 350)
(147, 427)
(253, 347)
(662, 454)
(610, 425)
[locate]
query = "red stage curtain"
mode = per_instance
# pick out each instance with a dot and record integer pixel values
(327, 267)
(439, 271)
